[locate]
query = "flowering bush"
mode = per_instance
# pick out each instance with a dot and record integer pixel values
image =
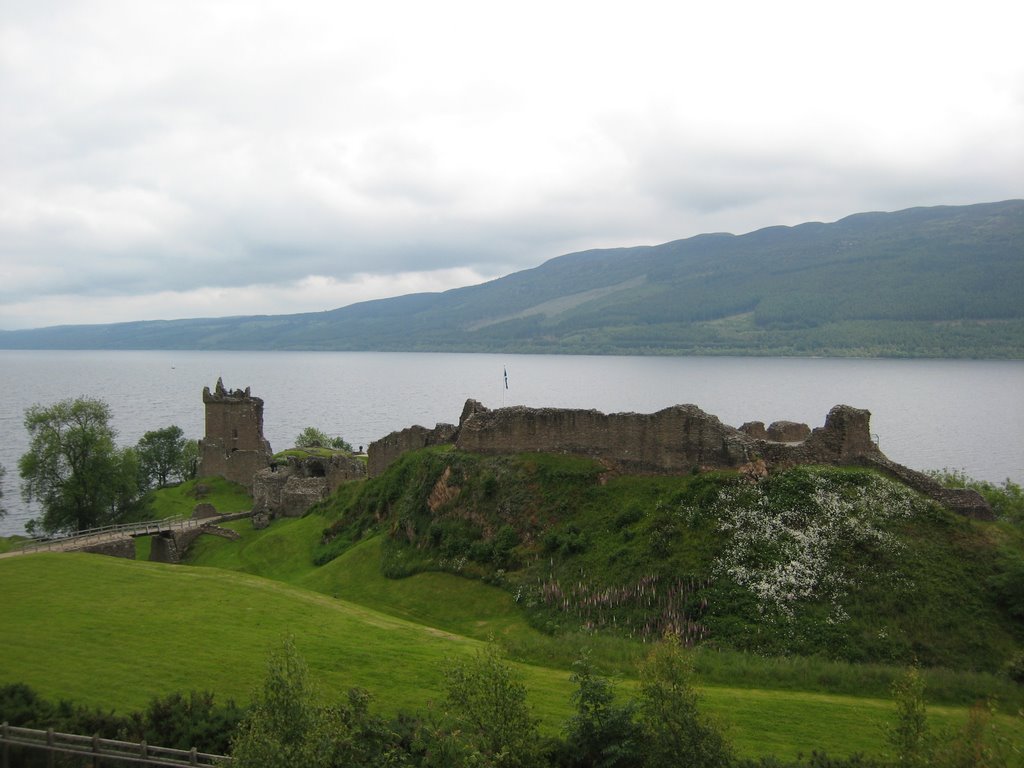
(786, 536)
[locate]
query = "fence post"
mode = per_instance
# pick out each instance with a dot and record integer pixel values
(49, 743)
(96, 750)
(7, 747)
(192, 757)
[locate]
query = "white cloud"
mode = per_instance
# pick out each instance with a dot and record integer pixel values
(313, 293)
(158, 149)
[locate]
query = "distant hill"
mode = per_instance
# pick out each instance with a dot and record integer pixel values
(925, 282)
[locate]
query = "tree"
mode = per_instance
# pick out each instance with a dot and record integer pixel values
(486, 699)
(285, 727)
(311, 437)
(190, 460)
(909, 736)
(74, 469)
(601, 734)
(675, 732)
(162, 456)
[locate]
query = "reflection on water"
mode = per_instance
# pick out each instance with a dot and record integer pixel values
(927, 414)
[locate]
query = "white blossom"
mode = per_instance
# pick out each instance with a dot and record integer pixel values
(785, 555)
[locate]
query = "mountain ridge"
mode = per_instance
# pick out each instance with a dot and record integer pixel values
(940, 281)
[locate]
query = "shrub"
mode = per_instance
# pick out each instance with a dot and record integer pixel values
(909, 736)
(311, 437)
(183, 722)
(284, 728)
(675, 732)
(486, 700)
(571, 541)
(600, 734)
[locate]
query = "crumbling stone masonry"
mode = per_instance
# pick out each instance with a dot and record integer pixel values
(383, 452)
(289, 489)
(234, 447)
(679, 439)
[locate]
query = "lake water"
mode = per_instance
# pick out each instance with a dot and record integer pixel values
(927, 414)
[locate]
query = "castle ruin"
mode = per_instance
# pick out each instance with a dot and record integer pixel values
(675, 440)
(234, 447)
(290, 488)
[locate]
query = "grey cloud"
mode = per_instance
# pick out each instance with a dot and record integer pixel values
(174, 148)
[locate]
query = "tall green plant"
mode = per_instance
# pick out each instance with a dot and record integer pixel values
(486, 699)
(285, 727)
(601, 733)
(909, 735)
(675, 731)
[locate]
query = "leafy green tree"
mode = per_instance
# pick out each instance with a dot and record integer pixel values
(285, 727)
(311, 437)
(601, 734)
(675, 732)
(190, 460)
(909, 736)
(486, 699)
(162, 456)
(74, 469)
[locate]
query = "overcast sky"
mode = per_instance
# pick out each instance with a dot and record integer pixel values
(169, 159)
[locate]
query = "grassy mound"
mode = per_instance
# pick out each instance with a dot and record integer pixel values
(181, 500)
(840, 563)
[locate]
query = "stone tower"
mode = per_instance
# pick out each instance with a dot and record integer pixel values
(234, 446)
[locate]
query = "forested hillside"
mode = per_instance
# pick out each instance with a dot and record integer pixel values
(926, 282)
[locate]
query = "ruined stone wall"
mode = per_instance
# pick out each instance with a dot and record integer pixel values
(676, 439)
(233, 447)
(679, 439)
(966, 501)
(381, 453)
(290, 489)
(845, 437)
(121, 548)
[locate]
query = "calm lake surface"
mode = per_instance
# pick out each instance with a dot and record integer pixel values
(927, 414)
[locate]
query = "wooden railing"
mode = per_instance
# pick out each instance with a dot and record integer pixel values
(109, 532)
(97, 752)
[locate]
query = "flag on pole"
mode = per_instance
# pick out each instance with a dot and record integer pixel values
(506, 377)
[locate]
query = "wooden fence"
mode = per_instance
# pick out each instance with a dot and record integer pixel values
(111, 533)
(96, 752)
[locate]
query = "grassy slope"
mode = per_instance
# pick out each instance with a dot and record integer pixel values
(930, 598)
(131, 644)
(181, 500)
(111, 633)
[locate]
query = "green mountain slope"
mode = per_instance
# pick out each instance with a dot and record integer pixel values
(938, 282)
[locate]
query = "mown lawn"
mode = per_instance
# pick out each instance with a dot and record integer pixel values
(116, 633)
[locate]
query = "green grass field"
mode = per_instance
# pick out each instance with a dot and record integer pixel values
(115, 633)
